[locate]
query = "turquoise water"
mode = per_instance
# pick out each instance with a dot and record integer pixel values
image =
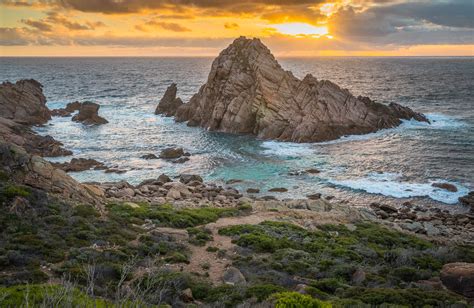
(390, 165)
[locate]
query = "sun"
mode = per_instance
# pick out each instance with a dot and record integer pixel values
(300, 29)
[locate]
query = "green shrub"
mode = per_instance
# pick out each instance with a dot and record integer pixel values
(12, 191)
(263, 291)
(199, 236)
(297, 300)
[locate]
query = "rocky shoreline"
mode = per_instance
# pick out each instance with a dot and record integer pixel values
(220, 239)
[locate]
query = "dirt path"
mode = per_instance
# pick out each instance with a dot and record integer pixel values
(200, 256)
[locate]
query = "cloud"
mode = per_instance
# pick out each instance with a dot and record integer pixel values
(419, 22)
(13, 37)
(153, 24)
(38, 24)
(231, 26)
(54, 19)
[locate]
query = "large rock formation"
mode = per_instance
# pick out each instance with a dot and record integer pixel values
(89, 114)
(24, 102)
(169, 103)
(248, 92)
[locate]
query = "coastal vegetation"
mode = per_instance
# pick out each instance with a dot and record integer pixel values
(82, 256)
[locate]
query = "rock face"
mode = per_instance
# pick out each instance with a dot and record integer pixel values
(34, 171)
(459, 277)
(169, 103)
(248, 92)
(24, 102)
(89, 114)
(33, 143)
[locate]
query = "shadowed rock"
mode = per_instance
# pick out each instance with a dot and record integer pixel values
(169, 103)
(89, 114)
(24, 102)
(248, 92)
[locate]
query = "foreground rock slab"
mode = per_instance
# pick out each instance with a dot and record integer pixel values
(248, 92)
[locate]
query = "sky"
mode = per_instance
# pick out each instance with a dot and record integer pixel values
(290, 28)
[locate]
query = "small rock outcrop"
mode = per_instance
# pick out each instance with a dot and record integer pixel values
(459, 278)
(445, 186)
(171, 153)
(80, 164)
(89, 114)
(248, 92)
(24, 102)
(169, 103)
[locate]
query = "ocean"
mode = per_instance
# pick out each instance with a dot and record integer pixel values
(393, 165)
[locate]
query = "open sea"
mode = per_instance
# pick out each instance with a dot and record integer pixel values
(389, 166)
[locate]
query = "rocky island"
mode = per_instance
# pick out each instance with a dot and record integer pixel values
(184, 242)
(248, 92)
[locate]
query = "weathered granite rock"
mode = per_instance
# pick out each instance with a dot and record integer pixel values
(79, 164)
(22, 135)
(171, 153)
(24, 102)
(459, 277)
(89, 114)
(248, 92)
(233, 276)
(74, 106)
(60, 112)
(169, 103)
(34, 171)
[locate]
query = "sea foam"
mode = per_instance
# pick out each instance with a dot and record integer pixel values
(390, 184)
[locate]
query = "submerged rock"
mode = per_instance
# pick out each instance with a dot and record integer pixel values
(24, 102)
(445, 186)
(169, 103)
(149, 156)
(248, 92)
(89, 114)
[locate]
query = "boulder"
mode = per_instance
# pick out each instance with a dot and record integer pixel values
(316, 196)
(233, 276)
(89, 114)
(248, 92)
(24, 102)
(163, 178)
(278, 189)
(171, 153)
(468, 200)
(187, 178)
(445, 186)
(169, 103)
(253, 191)
(459, 278)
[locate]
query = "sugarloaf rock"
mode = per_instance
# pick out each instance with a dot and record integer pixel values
(248, 92)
